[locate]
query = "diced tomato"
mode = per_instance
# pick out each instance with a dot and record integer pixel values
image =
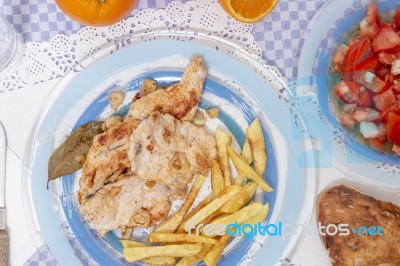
(369, 26)
(369, 80)
(337, 60)
(355, 53)
(344, 94)
(387, 58)
(364, 99)
(366, 114)
(394, 108)
(354, 87)
(396, 86)
(368, 64)
(347, 121)
(393, 127)
(397, 17)
(382, 71)
(384, 100)
(386, 39)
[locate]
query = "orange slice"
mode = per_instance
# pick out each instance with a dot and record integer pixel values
(248, 11)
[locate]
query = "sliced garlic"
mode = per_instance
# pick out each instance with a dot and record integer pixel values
(112, 121)
(178, 163)
(212, 112)
(148, 86)
(116, 99)
(199, 118)
(80, 158)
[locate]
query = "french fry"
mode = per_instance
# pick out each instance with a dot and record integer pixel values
(212, 217)
(140, 253)
(193, 212)
(247, 171)
(260, 217)
(223, 140)
(239, 180)
(214, 205)
(238, 217)
(189, 261)
(240, 199)
(255, 136)
(154, 261)
(173, 222)
(217, 178)
(131, 244)
(212, 257)
(246, 151)
(188, 238)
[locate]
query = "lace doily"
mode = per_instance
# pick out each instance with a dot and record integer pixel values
(44, 61)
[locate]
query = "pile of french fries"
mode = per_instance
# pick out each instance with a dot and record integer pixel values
(229, 202)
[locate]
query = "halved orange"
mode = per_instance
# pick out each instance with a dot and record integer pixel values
(248, 11)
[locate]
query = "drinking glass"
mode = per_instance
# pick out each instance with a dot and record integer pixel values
(11, 46)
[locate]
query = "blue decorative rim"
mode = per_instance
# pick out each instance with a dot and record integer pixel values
(292, 195)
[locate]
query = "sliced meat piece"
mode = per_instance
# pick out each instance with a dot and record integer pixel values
(108, 156)
(106, 160)
(173, 151)
(129, 202)
(180, 99)
(344, 205)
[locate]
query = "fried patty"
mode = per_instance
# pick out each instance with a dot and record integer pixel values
(345, 205)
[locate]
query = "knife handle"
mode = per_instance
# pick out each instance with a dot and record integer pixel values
(3, 248)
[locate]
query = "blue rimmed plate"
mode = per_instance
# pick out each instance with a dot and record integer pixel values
(311, 90)
(238, 84)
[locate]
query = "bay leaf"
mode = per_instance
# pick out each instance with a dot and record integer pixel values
(63, 160)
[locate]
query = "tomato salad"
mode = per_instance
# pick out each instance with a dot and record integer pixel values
(368, 91)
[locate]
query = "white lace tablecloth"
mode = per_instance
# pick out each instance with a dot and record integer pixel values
(54, 44)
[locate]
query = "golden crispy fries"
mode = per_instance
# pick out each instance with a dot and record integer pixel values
(140, 253)
(240, 199)
(213, 256)
(246, 151)
(155, 261)
(189, 261)
(193, 212)
(260, 217)
(224, 140)
(173, 222)
(214, 205)
(240, 216)
(217, 178)
(257, 145)
(185, 237)
(246, 170)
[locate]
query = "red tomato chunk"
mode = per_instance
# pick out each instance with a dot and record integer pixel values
(393, 128)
